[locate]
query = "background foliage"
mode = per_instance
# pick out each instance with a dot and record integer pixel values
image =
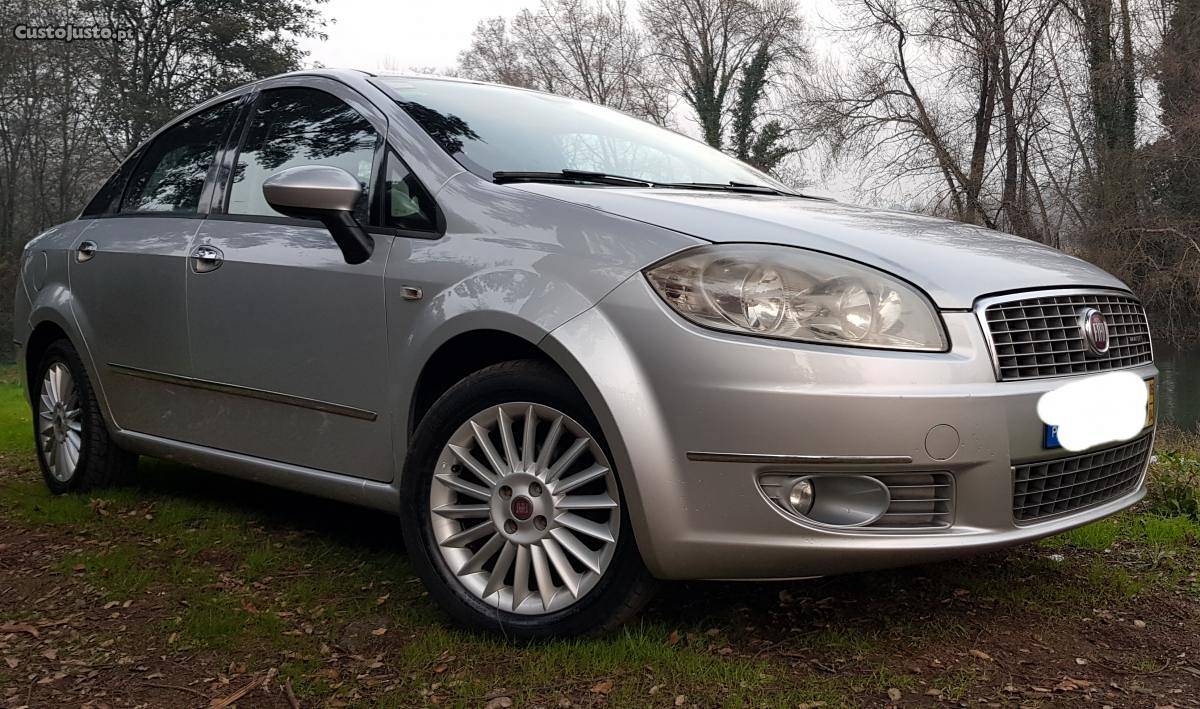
(70, 111)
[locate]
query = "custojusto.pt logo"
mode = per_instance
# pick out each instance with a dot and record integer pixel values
(69, 33)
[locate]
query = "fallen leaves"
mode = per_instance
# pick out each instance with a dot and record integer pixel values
(894, 694)
(1070, 684)
(980, 654)
(227, 700)
(602, 687)
(20, 628)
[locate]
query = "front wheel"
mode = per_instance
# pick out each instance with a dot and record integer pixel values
(518, 515)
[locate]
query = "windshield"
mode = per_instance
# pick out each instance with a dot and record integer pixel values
(493, 129)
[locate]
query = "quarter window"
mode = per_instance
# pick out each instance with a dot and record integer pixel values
(108, 197)
(170, 176)
(407, 205)
(298, 126)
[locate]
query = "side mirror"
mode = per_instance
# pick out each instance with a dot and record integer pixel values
(324, 193)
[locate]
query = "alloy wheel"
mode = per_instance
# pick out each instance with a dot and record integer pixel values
(60, 422)
(525, 508)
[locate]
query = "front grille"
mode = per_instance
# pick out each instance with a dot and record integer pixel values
(1039, 336)
(919, 501)
(1063, 485)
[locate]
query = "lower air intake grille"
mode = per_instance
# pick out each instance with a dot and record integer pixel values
(923, 500)
(919, 501)
(1063, 485)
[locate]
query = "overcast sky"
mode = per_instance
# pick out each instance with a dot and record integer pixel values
(372, 35)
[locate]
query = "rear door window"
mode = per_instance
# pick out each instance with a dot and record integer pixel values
(170, 176)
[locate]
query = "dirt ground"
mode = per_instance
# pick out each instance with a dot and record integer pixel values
(103, 604)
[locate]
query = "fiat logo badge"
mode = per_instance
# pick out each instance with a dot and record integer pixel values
(522, 508)
(1095, 330)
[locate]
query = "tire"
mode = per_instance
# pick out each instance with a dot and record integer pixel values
(559, 593)
(73, 447)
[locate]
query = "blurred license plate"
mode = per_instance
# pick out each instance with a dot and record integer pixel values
(1050, 433)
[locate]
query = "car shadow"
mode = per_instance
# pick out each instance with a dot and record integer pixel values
(974, 589)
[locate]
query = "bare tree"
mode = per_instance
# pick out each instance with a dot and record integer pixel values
(495, 55)
(707, 43)
(886, 108)
(950, 93)
(586, 49)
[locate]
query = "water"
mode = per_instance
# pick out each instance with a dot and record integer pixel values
(1179, 386)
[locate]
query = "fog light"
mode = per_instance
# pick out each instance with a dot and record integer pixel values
(800, 497)
(832, 499)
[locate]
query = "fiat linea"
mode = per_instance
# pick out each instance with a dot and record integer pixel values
(572, 352)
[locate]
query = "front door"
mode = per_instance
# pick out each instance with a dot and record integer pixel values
(288, 341)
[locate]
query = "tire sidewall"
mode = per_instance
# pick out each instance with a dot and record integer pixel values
(61, 352)
(535, 383)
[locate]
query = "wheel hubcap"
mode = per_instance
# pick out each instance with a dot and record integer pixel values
(524, 508)
(60, 423)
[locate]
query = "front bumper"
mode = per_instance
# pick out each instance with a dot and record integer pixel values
(662, 387)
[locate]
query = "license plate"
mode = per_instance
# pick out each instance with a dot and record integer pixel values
(1050, 436)
(1151, 411)
(1050, 433)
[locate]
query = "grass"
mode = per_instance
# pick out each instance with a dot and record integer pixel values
(16, 430)
(324, 594)
(1177, 474)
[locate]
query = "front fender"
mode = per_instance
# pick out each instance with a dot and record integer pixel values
(596, 355)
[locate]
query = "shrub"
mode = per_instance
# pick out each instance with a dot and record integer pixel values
(1175, 484)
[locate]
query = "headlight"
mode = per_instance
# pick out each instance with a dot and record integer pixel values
(795, 294)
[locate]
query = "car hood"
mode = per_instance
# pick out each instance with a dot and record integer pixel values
(954, 263)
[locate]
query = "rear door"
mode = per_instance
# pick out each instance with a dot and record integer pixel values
(288, 341)
(128, 273)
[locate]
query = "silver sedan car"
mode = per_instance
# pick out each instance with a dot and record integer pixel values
(571, 351)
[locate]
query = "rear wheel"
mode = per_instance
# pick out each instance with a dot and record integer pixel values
(74, 449)
(520, 519)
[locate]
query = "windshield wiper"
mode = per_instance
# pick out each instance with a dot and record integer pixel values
(598, 178)
(730, 186)
(603, 178)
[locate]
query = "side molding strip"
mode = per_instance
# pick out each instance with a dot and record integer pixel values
(773, 459)
(235, 390)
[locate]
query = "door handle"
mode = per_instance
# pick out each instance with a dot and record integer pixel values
(206, 258)
(85, 252)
